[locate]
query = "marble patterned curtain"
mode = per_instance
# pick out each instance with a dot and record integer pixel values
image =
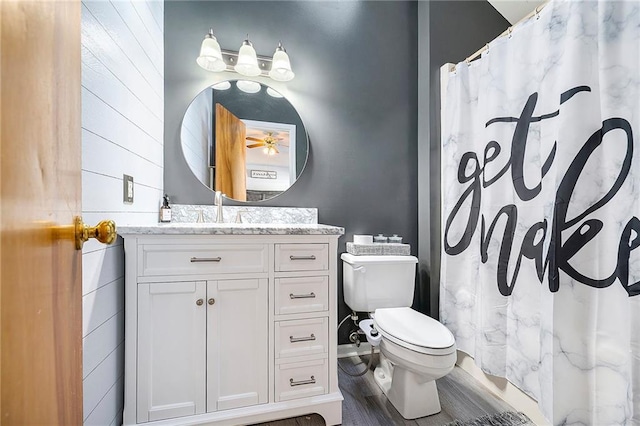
(540, 279)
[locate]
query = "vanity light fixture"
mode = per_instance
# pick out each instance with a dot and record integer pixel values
(245, 61)
(210, 54)
(281, 66)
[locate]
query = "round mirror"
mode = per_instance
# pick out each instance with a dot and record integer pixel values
(245, 139)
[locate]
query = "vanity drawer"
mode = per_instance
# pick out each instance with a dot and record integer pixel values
(302, 337)
(163, 260)
(301, 379)
(304, 294)
(302, 257)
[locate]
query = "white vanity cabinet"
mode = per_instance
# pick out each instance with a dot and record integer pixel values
(197, 339)
(171, 347)
(229, 329)
(237, 343)
(301, 332)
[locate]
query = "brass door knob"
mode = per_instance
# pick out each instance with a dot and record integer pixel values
(105, 232)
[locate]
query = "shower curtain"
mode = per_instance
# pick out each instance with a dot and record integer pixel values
(540, 273)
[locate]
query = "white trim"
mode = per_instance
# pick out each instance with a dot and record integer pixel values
(329, 406)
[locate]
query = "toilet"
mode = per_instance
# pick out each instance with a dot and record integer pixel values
(415, 349)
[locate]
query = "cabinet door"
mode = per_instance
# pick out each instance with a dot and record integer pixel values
(171, 350)
(237, 345)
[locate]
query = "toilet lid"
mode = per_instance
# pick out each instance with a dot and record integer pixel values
(414, 330)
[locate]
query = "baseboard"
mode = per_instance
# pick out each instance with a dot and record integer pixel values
(503, 389)
(347, 350)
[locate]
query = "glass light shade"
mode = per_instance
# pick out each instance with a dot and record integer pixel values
(247, 61)
(273, 93)
(281, 66)
(210, 54)
(248, 86)
(223, 85)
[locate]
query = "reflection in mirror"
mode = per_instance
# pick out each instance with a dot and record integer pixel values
(245, 139)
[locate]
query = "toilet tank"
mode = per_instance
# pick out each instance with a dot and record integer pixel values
(372, 282)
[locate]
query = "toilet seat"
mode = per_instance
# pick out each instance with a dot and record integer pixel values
(414, 331)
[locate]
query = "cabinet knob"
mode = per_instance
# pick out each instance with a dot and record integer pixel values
(211, 301)
(199, 302)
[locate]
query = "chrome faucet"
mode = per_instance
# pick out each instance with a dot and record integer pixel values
(218, 202)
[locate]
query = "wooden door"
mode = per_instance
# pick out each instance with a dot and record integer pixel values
(231, 155)
(40, 188)
(237, 344)
(171, 350)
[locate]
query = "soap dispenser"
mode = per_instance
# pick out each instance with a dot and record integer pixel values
(165, 210)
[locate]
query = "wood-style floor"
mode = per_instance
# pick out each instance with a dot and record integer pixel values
(461, 398)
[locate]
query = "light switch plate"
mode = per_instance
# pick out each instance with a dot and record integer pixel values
(127, 189)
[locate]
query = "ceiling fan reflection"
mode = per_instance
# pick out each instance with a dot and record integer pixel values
(269, 143)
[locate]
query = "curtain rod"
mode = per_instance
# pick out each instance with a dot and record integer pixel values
(506, 32)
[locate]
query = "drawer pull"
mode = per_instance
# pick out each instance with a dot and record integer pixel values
(302, 339)
(205, 259)
(311, 295)
(312, 257)
(311, 381)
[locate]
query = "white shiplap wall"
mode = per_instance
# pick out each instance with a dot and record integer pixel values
(122, 133)
(196, 127)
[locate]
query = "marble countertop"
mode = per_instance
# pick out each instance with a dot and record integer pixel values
(230, 229)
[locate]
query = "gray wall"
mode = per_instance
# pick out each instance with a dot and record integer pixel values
(449, 31)
(367, 89)
(355, 89)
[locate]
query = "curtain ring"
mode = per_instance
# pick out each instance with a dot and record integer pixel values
(486, 47)
(510, 29)
(537, 13)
